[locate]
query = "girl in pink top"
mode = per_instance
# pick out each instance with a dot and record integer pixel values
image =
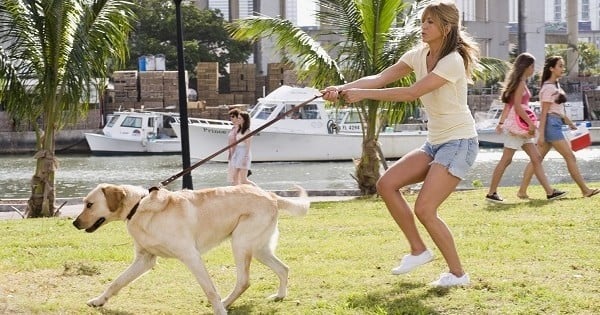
(551, 120)
(516, 92)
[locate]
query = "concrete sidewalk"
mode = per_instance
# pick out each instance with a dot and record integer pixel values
(74, 206)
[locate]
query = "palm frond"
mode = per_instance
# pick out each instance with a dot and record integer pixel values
(488, 68)
(53, 49)
(307, 53)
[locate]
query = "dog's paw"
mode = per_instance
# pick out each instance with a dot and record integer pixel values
(97, 302)
(276, 297)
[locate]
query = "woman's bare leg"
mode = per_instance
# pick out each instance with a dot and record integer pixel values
(410, 169)
(505, 160)
(528, 172)
(438, 185)
(243, 176)
(536, 163)
(564, 149)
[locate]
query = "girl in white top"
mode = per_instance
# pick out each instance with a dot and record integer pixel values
(442, 68)
(240, 156)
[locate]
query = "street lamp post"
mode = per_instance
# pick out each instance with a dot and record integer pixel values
(183, 114)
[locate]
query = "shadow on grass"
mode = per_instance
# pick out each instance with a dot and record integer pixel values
(403, 298)
(498, 207)
(530, 203)
(108, 311)
(242, 308)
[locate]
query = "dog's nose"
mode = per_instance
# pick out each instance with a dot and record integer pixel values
(76, 224)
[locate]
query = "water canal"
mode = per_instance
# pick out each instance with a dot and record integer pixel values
(77, 174)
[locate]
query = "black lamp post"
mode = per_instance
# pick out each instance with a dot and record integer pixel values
(183, 114)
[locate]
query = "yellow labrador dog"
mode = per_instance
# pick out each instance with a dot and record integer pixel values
(185, 224)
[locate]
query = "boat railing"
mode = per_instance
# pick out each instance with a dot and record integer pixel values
(206, 121)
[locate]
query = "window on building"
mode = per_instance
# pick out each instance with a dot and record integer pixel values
(557, 11)
(585, 10)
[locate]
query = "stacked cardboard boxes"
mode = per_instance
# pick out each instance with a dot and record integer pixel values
(207, 74)
(242, 83)
(125, 90)
(171, 88)
(151, 89)
(242, 77)
(275, 75)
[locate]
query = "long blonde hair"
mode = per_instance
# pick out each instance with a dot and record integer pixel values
(446, 15)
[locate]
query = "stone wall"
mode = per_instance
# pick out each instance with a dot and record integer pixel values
(91, 121)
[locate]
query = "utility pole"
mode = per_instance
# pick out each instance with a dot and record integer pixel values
(183, 112)
(521, 27)
(572, 38)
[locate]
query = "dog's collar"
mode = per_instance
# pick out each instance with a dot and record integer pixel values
(133, 210)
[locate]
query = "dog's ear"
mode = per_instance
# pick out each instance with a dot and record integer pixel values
(114, 196)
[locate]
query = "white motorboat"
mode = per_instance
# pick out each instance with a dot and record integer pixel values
(136, 132)
(141, 132)
(485, 123)
(309, 135)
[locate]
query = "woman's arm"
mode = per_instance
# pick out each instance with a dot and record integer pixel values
(427, 84)
(248, 142)
(568, 121)
(502, 118)
(543, 119)
(387, 76)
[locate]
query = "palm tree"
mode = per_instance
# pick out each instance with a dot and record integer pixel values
(50, 53)
(373, 35)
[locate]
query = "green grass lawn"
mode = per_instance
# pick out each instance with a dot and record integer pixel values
(524, 257)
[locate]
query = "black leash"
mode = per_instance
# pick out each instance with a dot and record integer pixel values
(252, 133)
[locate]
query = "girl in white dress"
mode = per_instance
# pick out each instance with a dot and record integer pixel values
(240, 156)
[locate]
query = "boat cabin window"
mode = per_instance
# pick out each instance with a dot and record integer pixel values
(293, 115)
(264, 111)
(112, 120)
(133, 122)
(310, 111)
(353, 118)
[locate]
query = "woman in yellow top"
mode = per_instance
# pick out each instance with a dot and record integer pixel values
(442, 68)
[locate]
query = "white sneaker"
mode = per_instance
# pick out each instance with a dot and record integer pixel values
(449, 280)
(410, 262)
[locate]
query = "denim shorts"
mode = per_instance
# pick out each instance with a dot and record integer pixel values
(553, 130)
(456, 155)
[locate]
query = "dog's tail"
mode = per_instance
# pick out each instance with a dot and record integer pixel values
(298, 206)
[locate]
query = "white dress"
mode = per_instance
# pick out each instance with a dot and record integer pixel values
(238, 157)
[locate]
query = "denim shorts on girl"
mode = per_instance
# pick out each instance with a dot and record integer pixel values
(553, 130)
(456, 155)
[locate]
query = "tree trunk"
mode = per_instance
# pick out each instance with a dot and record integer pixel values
(367, 170)
(41, 201)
